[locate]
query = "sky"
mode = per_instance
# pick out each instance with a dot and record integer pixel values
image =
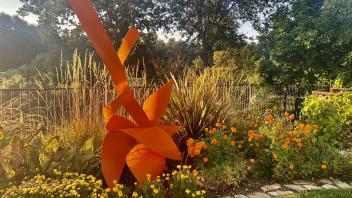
(10, 7)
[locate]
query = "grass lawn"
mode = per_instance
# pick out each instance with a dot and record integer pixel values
(323, 194)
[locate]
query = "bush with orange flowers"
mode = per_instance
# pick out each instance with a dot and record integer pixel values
(297, 150)
(221, 162)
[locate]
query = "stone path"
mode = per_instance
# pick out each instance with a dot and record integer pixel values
(298, 186)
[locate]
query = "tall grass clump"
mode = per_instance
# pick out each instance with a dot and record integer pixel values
(197, 103)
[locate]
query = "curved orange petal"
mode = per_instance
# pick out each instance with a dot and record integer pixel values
(116, 146)
(156, 104)
(96, 33)
(127, 44)
(118, 122)
(170, 129)
(156, 139)
(143, 161)
(110, 109)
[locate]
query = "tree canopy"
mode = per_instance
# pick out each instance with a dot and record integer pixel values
(309, 40)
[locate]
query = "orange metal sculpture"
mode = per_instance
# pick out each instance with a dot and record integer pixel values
(145, 143)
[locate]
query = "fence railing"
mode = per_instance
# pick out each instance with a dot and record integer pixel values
(41, 109)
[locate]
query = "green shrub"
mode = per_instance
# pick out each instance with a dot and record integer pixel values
(324, 113)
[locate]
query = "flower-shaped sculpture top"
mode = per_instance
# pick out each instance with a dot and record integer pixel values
(143, 144)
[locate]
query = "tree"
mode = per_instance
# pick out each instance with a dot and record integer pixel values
(213, 24)
(57, 20)
(309, 40)
(19, 42)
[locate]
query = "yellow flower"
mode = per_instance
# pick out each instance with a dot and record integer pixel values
(187, 191)
(323, 166)
(156, 191)
(203, 192)
(275, 155)
(233, 130)
(134, 194)
(225, 137)
(249, 168)
(152, 186)
(252, 160)
(239, 146)
(233, 143)
(224, 126)
(178, 166)
(195, 173)
(292, 166)
(198, 192)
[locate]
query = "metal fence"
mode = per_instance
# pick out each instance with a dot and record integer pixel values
(41, 109)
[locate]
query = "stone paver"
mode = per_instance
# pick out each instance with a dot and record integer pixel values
(341, 184)
(240, 196)
(271, 187)
(311, 187)
(295, 187)
(280, 193)
(326, 181)
(258, 195)
(328, 186)
(302, 182)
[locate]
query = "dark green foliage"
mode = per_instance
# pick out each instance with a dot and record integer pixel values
(308, 40)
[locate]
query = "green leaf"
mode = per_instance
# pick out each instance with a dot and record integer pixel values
(44, 161)
(52, 145)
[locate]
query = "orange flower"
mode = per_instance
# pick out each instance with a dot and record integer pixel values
(204, 146)
(233, 143)
(196, 152)
(286, 114)
(299, 145)
(323, 166)
(301, 126)
(190, 142)
(267, 110)
(292, 117)
(225, 137)
(268, 118)
(224, 126)
(199, 145)
(213, 141)
(239, 146)
(292, 133)
(286, 144)
(206, 130)
(205, 159)
(297, 140)
(218, 124)
(233, 130)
